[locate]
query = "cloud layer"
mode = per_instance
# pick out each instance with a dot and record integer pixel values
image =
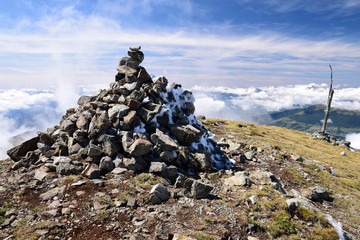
(82, 48)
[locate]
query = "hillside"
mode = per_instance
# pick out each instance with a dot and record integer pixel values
(133, 162)
(283, 164)
(308, 119)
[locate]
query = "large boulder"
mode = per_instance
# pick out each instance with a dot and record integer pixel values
(18, 152)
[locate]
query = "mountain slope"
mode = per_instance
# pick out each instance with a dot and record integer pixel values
(278, 166)
(308, 119)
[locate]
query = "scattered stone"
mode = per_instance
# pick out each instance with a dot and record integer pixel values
(40, 175)
(343, 153)
(159, 194)
(239, 179)
(118, 171)
(157, 167)
(197, 189)
(91, 171)
(249, 155)
(52, 193)
(132, 203)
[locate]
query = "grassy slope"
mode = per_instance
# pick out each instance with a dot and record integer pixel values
(345, 188)
(308, 119)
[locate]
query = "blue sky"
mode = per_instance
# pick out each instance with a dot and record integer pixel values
(233, 43)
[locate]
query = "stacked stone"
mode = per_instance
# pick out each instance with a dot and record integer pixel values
(139, 124)
(331, 139)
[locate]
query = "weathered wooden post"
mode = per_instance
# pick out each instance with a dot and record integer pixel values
(327, 110)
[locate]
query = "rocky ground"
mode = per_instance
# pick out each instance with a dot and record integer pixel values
(133, 162)
(261, 197)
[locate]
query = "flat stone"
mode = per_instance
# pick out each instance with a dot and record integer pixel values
(78, 183)
(118, 171)
(126, 70)
(135, 48)
(52, 193)
(40, 175)
(157, 167)
(239, 179)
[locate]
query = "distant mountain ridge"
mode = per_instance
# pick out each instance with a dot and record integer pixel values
(308, 119)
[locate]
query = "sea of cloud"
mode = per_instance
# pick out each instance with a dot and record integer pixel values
(31, 110)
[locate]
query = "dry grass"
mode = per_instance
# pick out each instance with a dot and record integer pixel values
(345, 187)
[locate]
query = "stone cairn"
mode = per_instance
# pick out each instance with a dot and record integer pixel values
(330, 139)
(140, 124)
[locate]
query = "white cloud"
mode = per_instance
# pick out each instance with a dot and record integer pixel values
(23, 98)
(87, 47)
(246, 103)
(354, 138)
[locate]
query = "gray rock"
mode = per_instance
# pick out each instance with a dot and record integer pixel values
(106, 165)
(40, 175)
(126, 70)
(294, 203)
(167, 156)
(111, 148)
(196, 189)
(322, 193)
(84, 100)
(18, 152)
(80, 136)
(140, 147)
(164, 141)
(91, 171)
(98, 124)
(159, 194)
(52, 193)
(343, 153)
(118, 171)
(94, 151)
(170, 173)
(118, 111)
(180, 182)
(67, 125)
(186, 135)
(249, 155)
(157, 167)
(111, 98)
(131, 86)
(132, 203)
(239, 179)
(66, 169)
(98, 182)
(74, 148)
(253, 199)
(136, 164)
(127, 140)
(130, 117)
(203, 160)
(148, 111)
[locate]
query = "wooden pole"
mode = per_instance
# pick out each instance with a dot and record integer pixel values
(327, 110)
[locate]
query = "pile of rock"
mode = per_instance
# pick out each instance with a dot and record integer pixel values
(139, 124)
(331, 139)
